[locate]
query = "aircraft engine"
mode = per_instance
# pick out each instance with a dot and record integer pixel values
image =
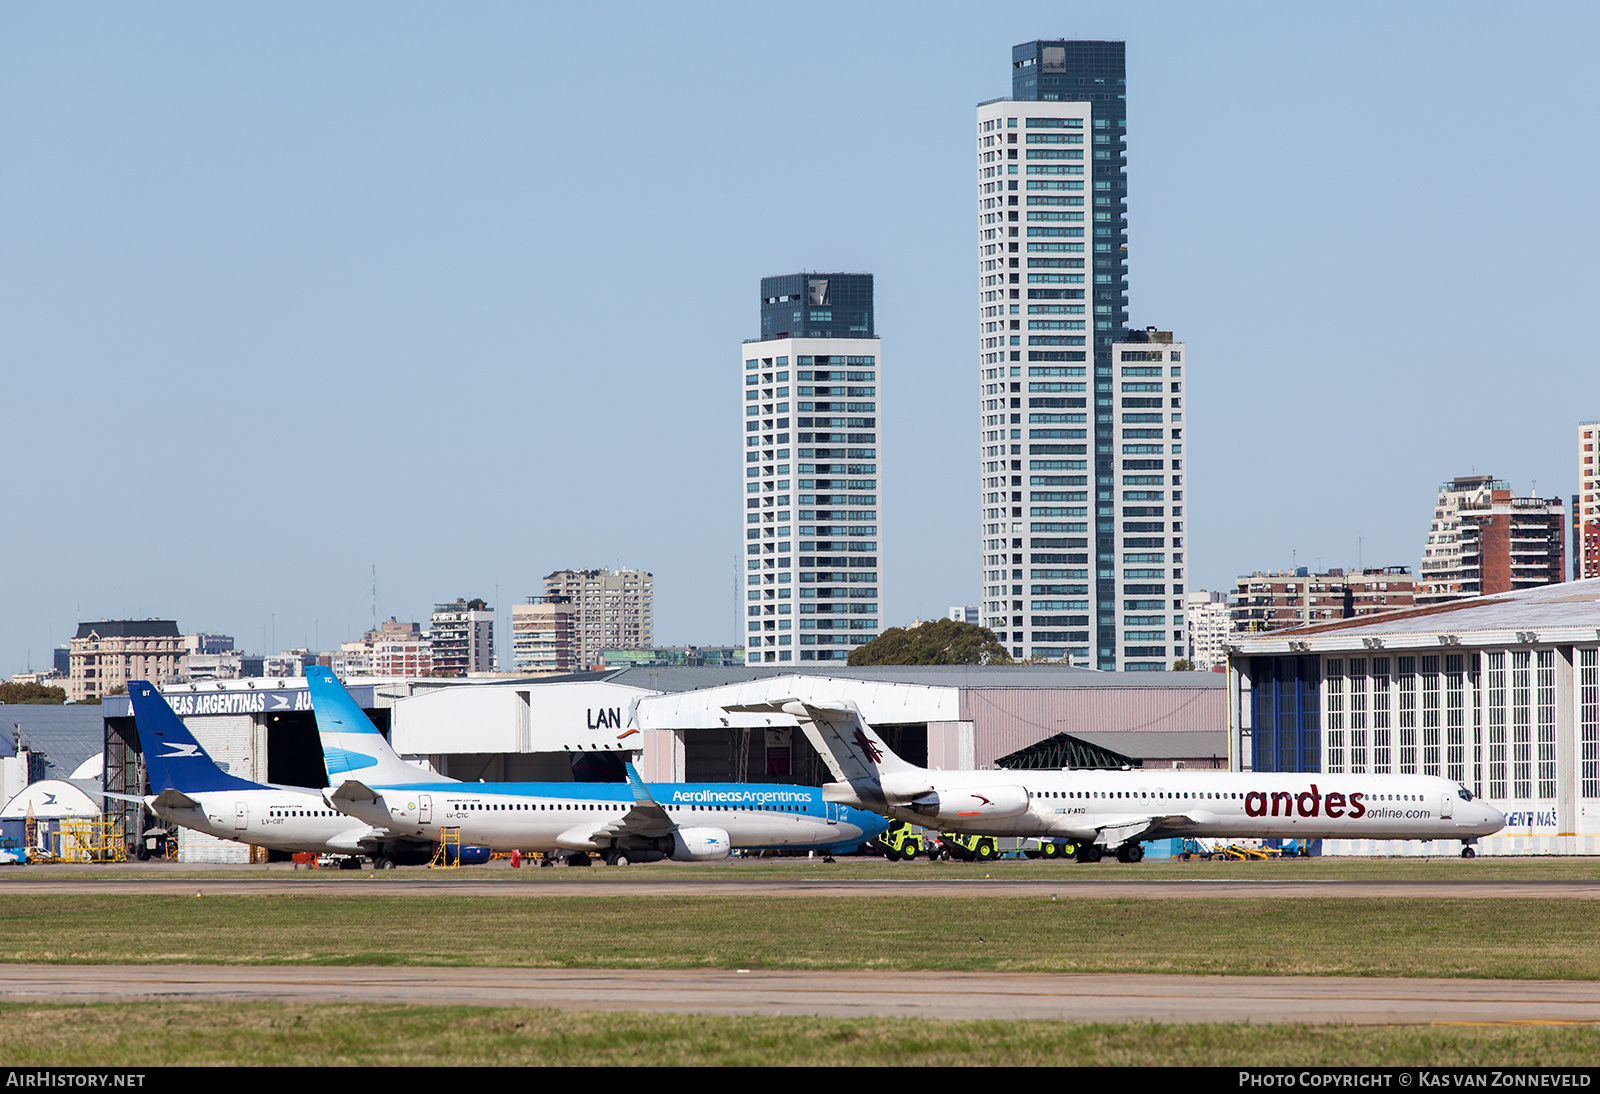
(699, 844)
(965, 804)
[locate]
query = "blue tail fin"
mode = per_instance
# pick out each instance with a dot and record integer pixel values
(173, 758)
(352, 747)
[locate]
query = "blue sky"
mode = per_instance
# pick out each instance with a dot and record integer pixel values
(292, 291)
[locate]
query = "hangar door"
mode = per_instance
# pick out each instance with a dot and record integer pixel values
(778, 755)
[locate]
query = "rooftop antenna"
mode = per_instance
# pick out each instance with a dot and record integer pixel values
(374, 596)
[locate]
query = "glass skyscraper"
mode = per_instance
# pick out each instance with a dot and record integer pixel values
(1075, 451)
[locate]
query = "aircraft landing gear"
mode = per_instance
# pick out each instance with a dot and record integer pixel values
(1130, 852)
(617, 858)
(1468, 852)
(1090, 852)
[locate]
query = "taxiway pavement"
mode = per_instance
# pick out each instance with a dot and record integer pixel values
(1065, 997)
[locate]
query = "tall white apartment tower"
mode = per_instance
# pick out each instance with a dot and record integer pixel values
(811, 386)
(1081, 558)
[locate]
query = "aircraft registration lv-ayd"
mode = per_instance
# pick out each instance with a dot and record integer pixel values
(191, 791)
(1118, 810)
(622, 822)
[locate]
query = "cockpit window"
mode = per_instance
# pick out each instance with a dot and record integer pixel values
(1463, 793)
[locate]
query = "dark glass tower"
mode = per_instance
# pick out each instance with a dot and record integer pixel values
(1096, 73)
(817, 305)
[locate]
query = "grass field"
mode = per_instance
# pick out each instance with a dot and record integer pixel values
(577, 923)
(256, 1034)
(1532, 939)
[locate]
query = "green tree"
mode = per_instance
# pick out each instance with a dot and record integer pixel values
(33, 694)
(940, 642)
(1183, 665)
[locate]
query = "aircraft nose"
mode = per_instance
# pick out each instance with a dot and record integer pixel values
(1493, 819)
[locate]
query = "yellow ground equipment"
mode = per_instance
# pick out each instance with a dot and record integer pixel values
(447, 851)
(89, 841)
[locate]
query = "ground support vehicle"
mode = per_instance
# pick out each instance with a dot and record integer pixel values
(902, 841)
(970, 848)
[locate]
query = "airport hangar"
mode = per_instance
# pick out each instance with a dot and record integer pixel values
(672, 722)
(1499, 692)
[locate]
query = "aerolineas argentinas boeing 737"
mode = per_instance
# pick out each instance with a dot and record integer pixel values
(191, 791)
(1116, 810)
(622, 822)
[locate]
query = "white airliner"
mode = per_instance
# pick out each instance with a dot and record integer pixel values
(191, 791)
(1117, 810)
(622, 822)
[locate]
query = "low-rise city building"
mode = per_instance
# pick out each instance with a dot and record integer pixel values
(1483, 540)
(542, 636)
(1276, 599)
(394, 649)
(107, 654)
(1209, 626)
(461, 634)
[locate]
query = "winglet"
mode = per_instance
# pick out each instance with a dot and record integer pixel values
(641, 793)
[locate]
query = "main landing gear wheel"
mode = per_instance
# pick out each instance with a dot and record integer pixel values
(617, 859)
(1090, 852)
(1130, 852)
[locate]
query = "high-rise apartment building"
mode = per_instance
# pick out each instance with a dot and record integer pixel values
(1586, 506)
(461, 633)
(1482, 540)
(1081, 452)
(810, 454)
(610, 610)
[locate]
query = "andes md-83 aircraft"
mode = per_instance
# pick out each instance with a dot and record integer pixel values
(1117, 810)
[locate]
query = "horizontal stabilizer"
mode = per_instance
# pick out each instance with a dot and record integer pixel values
(174, 799)
(358, 800)
(351, 791)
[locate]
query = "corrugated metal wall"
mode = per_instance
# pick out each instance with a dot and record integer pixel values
(1006, 719)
